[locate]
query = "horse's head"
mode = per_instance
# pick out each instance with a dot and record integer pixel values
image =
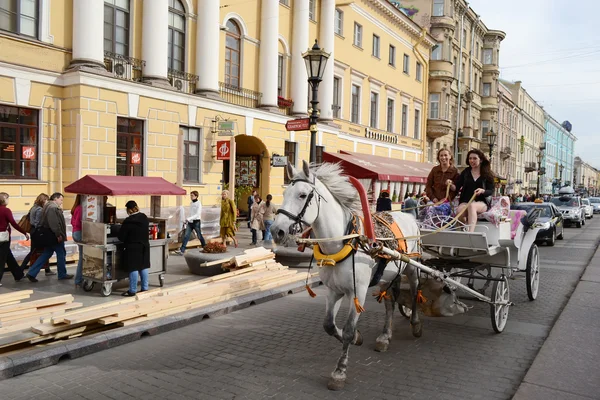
(300, 206)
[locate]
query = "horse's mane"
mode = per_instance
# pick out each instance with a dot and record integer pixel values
(332, 176)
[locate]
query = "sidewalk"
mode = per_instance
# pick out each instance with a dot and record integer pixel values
(568, 364)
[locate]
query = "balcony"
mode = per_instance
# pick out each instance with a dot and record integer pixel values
(436, 128)
(285, 105)
(505, 153)
(239, 96)
(441, 69)
(183, 81)
(530, 166)
(123, 67)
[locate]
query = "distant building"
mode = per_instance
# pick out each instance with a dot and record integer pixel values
(560, 145)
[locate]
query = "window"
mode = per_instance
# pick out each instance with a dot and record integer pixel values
(404, 120)
(434, 105)
(392, 57)
(290, 152)
(464, 43)
(116, 26)
(485, 127)
(191, 153)
(358, 35)
(477, 51)
(419, 72)
(438, 8)
(448, 115)
(176, 54)
(319, 154)
(19, 16)
(311, 10)
(487, 56)
(462, 71)
(18, 143)
(390, 115)
(232, 54)
(455, 63)
(376, 46)
(436, 52)
(336, 96)
(355, 114)
(417, 124)
(339, 22)
(406, 64)
(374, 107)
(280, 76)
(130, 147)
(487, 89)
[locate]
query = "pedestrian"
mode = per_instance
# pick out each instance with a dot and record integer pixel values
(35, 218)
(76, 223)
(268, 213)
(384, 203)
(257, 219)
(411, 205)
(136, 252)
(250, 202)
(54, 225)
(6, 255)
(192, 223)
(227, 221)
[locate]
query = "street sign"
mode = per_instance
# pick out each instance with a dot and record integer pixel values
(279, 161)
(302, 124)
(225, 128)
(223, 150)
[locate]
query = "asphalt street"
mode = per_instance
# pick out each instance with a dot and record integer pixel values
(279, 350)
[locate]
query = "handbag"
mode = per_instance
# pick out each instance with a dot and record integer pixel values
(44, 237)
(4, 236)
(25, 223)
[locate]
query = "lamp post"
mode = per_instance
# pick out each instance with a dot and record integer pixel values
(315, 59)
(541, 172)
(491, 140)
(560, 170)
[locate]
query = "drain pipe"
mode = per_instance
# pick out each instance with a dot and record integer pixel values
(471, 66)
(459, 106)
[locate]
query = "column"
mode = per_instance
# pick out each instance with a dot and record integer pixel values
(300, 43)
(155, 39)
(269, 38)
(207, 46)
(88, 33)
(326, 42)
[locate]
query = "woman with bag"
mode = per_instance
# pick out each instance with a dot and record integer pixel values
(268, 215)
(35, 219)
(136, 254)
(6, 255)
(227, 222)
(257, 219)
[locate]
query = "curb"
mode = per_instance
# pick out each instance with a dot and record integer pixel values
(34, 359)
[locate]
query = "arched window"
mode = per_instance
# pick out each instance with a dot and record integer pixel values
(233, 45)
(176, 36)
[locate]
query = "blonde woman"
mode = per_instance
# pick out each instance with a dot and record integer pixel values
(228, 218)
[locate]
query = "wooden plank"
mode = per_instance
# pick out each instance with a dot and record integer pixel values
(61, 319)
(15, 338)
(16, 315)
(67, 298)
(215, 262)
(48, 328)
(97, 314)
(15, 295)
(148, 293)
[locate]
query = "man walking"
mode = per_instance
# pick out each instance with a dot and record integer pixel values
(54, 220)
(250, 203)
(193, 223)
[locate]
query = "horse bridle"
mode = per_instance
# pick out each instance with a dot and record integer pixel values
(298, 226)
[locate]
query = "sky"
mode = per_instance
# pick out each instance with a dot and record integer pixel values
(554, 49)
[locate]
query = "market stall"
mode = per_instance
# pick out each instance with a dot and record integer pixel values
(100, 226)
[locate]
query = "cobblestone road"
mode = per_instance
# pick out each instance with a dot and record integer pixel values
(279, 350)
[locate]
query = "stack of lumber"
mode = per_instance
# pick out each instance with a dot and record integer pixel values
(47, 327)
(256, 257)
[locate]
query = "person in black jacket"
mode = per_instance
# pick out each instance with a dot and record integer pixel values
(136, 254)
(384, 203)
(477, 179)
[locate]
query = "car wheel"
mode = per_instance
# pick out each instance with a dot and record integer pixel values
(552, 240)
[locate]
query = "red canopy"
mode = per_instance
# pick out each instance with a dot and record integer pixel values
(363, 166)
(104, 185)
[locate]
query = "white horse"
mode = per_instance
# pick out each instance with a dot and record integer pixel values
(324, 199)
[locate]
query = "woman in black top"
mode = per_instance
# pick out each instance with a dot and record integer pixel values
(476, 179)
(136, 253)
(384, 203)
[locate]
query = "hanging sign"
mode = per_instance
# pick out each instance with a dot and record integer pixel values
(27, 153)
(136, 158)
(280, 161)
(223, 150)
(225, 128)
(301, 124)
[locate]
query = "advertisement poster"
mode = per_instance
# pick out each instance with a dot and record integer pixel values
(91, 208)
(246, 171)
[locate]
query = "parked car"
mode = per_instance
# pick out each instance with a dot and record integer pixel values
(550, 218)
(595, 201)
(589, 210)
(571, 208)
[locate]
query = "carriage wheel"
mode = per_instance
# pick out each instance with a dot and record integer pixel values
(532, 274)
(499, 312)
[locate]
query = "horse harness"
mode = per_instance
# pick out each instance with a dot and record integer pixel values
(298, 226)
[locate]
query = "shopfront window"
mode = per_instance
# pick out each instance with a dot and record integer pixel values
(191, 154)
(18, 143)
(130, 147)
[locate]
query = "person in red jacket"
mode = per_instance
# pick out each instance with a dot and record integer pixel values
(6, 256)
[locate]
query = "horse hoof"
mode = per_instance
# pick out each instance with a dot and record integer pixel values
(381, 347)
(336, 384)
(417, 329)
(358, 340)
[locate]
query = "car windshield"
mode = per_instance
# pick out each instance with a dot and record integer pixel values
(585, 201)
(565, 201)
(595, 200)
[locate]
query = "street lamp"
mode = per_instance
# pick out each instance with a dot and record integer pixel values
(560, 170)
(491, 139)
(540, 155)
(315, 59)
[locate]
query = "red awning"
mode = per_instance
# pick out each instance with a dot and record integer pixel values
(364, 166)
(103, 185)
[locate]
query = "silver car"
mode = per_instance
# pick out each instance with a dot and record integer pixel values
(595, 201)
(589, 210)
(571, 209)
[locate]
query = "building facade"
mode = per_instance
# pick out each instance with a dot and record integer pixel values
(126, 87)
(585, 177)
(559, 155)
(463, 76)
(504, 163)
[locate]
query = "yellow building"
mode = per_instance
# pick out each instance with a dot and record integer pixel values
(128, 87)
